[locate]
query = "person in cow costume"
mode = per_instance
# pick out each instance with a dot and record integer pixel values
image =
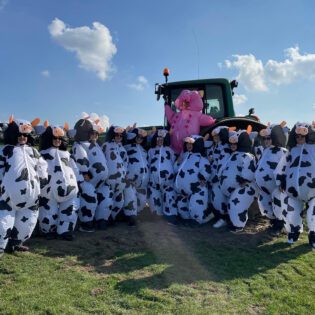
(117, 159)
(193, 172)
(218, 158)
(23, 173)
(161, 193)
(275, 140)
(95, 193)
(138, 169)
(188, 120)
(237, 190)
(58, 205)
(296, 176)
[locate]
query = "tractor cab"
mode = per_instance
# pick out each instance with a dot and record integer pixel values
(217, 101)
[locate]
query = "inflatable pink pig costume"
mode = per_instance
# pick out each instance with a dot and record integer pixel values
(187, 122)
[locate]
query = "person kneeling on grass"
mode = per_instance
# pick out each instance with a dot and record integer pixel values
(23, 173)
(193, 172)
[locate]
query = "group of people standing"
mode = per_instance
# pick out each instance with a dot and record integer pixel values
(217, 176)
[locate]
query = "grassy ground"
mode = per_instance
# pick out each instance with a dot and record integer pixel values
(156, 268)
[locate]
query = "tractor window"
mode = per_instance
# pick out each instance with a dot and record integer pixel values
(214, 101)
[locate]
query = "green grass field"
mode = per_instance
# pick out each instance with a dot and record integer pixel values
(155, 268)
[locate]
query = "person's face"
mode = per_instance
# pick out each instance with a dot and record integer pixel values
(94, 136)
(189, 147)
(139, 140)
(233, 146)
(267, 141)
(56, 142)
(300, 139)
(159, 141)
(118, 137)
(22, 138)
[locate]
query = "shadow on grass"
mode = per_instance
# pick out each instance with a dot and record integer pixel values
(155, 255)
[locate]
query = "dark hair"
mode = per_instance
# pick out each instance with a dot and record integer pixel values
(110, 135)
(46, 140)
(224, 135)
(133, 140)
(244, 143)
(198, 146)
(278, 137)
(166, 142)
(10, 135)
(83, 129)
(292, 137)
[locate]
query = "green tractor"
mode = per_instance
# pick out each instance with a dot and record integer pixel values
(217, 100)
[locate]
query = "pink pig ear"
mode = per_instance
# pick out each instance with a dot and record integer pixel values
(201, 93)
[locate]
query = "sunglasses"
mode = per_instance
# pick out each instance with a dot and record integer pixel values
(267, 138)
(20, 134)
(299, 137)
(118, 135)
(57, 138)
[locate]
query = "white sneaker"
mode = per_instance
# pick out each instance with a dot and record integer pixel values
(219, 224)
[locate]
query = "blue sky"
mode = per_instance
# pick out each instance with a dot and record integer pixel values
(59, 58)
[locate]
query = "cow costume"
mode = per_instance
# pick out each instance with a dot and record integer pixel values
(58, 205)
(23, 173)
(117, 161)
(161, 193)
(193, 172)
(296, 176)
(138, 170)
(218, 157)
(275, 138)
(237, 191)
(95, 193)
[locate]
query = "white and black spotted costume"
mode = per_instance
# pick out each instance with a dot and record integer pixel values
(161, 193)
(138, 171)
(218, 158)
(22, 174)
(59, 204)
(193, 173)
(296, 175)
(237, 191)
(265, 174)
(117, 161)
(95, 197)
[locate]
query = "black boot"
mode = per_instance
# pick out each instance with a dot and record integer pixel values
(102, 225)
(311, 239)
(293, 237)
(67, 236)
(86, 227)
(132, 221)
(276, 227)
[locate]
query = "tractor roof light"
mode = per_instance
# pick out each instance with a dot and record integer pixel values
(166, 73)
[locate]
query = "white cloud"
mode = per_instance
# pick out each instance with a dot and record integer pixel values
(93, 47)
(3, 3)
(251, 71)
(239, 99)
(45, 73)
(258, 77)
(140, 84)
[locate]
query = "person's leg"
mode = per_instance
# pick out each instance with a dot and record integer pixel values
(88, 204)
(239, 203)
(310, 217)
(24, 224)
(48, 216)
(294, 222)
(104, 207)
(67, 219)
(198, 206)
(7, 217)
